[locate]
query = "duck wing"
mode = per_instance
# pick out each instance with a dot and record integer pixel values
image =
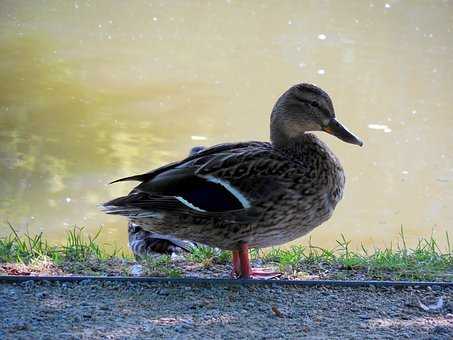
(188, 187)
(200, 156)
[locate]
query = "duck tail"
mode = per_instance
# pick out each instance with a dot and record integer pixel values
(130, 212)
(115, 210)
(122, 206)
(118, 206)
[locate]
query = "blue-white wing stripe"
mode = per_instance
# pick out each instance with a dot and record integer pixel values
(187, 203)
(235, 192)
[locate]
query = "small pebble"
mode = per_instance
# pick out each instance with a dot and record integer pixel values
(41, 295)
(136, 270)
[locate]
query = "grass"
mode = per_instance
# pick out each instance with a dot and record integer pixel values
(161, 266)
(82, 253)
(77, 247)
(425, 261)
(208, 256)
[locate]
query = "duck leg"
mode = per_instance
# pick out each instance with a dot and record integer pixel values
(236, 271)
(246, 271)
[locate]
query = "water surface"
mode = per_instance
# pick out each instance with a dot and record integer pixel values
(93, 91)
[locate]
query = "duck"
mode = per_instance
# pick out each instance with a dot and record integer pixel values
(256, 194)
(145, 243)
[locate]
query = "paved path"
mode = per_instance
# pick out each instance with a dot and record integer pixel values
(135, 311)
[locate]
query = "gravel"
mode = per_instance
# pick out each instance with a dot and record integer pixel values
(107, 310)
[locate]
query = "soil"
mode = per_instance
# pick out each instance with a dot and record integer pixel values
(100, 310)
(210, 269)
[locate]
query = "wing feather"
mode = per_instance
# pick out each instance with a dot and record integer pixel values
(142, 205)
(204, 154)
(213, 182)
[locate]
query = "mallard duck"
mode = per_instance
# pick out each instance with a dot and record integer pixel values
(253, 194)
(143, 242)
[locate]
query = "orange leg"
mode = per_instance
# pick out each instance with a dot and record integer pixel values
(242, 268)
(246, 270)
(236, 271)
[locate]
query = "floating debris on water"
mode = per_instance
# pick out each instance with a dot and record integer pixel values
(198, 138)
(383, 127)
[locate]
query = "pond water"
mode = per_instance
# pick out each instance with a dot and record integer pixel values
(92, 91)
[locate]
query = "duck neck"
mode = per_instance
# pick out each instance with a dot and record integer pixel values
(286, 137)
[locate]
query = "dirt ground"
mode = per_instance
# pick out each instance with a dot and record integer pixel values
(95, 310)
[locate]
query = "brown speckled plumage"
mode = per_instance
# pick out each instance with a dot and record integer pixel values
(254, 193)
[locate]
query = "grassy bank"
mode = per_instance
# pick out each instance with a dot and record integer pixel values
(80, 253)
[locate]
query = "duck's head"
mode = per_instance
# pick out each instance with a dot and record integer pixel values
(304, 108)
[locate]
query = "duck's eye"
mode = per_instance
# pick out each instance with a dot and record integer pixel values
(315, 104)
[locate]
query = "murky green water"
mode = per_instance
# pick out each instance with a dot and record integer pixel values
(93, 91)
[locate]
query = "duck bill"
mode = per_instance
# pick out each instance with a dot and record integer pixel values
(336, 129)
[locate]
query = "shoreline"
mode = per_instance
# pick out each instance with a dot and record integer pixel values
(199, 307)
(27, 254)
